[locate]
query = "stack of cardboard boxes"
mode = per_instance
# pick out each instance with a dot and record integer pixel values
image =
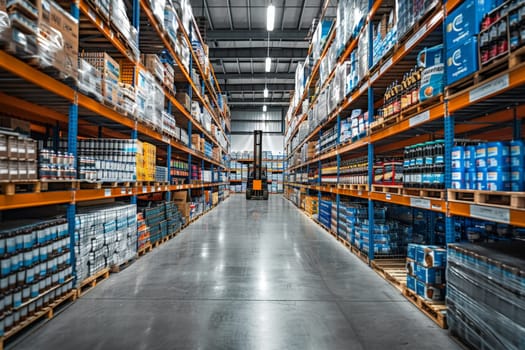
(426, 271)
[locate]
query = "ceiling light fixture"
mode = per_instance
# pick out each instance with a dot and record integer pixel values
(270, 17)
(265, 108)
(268, 64)
(265, 92)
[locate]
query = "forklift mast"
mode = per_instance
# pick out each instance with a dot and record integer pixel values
(257, 154)
(257, 186)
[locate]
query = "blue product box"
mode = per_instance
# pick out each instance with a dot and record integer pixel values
(431, 82)
(430, 275)
(430, 292)
(517, 179)
(411, 283)
(411, 251)
(411, 267)
(462, 61)
(431, 256)
(465, 21)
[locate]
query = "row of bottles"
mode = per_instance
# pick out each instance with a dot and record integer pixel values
(424, 165)
(399, 96)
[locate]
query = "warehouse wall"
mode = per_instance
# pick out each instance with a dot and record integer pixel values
(273, 143)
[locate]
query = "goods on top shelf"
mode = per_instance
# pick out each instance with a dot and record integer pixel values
(485, 283)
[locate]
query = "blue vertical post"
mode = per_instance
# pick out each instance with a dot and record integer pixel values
(338, 129)
(168, 166)
(190, 65)
(449, 143)
(371, 225)
(136, 16)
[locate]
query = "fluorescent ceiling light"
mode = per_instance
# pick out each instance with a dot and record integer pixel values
(270, 17)
(265, 108)
(265, 92)
(268, 64)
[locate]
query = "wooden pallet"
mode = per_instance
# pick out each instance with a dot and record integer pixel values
(383, 123)
(58, 185)
(489, 70)
(48, 312)
(146, 248)
(343, 241)
(515, 200)
(424, 192)
(392, 270)
(86, 185)
(436, 311)
(361, 255)
(91, 282)
(12, 187)
(388, 189)
(353, 187)
(124, 265)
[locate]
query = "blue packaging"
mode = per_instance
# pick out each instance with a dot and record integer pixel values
(411, 251)
(458, 156)
(498, 179)
(430, 56)
(411, 283)
(481, 179)
(432, 82)
(470, 157)
(517, 153)
(470, 180)
(481, 155)
(462, 61)
(431, 256)
(517, 179)
(465, 21)
(497, 155)
(458, 180)
(429, 292)
(430, 275)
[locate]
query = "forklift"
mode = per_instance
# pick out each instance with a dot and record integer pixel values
(257, 186)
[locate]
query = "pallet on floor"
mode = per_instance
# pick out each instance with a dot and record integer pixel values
(436, 311)
(392, 270)
(515, 200)
(361, 255)
(146, 248)
(393, 189)
(91, 282)
(424, 192)
(48, 312)
(343, 241)
(117, 268)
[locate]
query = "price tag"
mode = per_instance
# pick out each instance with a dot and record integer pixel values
(437, 207)
(107, 192)
(130, 191)
(388, 196)
(415, 38)
(165, 139)
(489, 88)
(359, 193)
(385, 66)
(123, 191)
(420, 203)
(420, 118)
(144, 189)
(489, 213)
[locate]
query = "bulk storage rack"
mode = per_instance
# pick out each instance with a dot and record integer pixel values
(272, 170)
(487, 105)
(55, 105)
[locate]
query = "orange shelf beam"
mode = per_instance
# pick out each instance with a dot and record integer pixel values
(514, 217)
(26, 200)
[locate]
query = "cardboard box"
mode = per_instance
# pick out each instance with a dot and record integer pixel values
(430, 292)
(67, 25)
(431, 256)
(462, 61)
(430, 275)
(18, 125)
(411, 283)
(184, 100)
(180, 198)
(465, 21)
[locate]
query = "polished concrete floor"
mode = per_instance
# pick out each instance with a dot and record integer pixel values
(248, 275)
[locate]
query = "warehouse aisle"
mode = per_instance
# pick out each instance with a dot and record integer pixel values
(248, 275)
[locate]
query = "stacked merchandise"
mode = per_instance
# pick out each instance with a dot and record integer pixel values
(319, 37)
(89, 80)
(487, 166)
(325, 213)
(110, 71)
(424, 165)
(196, 173)
(44, 33)
(485, 289)
(36, 269)
(115, 159)
(179, 169)
(350, 20)
(334, 219)
(426, 271)
(208, 149)
(311, 205)
(462, 27)
(57, 165)
(150, 98)
(388, 172)
(517, 163)
(350, 215)
(142, 232)
(121, 21)
(410, 12)
(327, 140)
(17, 157)
(104, 236)
(353, 171)
(329, 173)
(146, 168)
(384, 36)
(474, 230)
(162, 219)
(169, 125)
(161, 174)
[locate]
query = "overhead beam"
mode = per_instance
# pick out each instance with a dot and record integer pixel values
(299, 23)
(255, 75)
(259, 52)
(257, 102)
(256, 34)
(229, 15)
(256, 87)
(210, 22)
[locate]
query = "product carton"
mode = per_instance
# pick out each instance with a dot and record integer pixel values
(465, 21)
(430, 292)
(67, 25)
(430, 275)
(411, 283)
(431, 256)
(462, 60)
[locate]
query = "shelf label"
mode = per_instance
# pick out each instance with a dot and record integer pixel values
(420, 203)
(165, 139)
(388, 196)
(123, 191)
(386, 65)
(144, 189)
(166, 188)
(359, 193)
(489, 213)
(130, 191)
(437, 207)
(107, 192)
(415, 38)
(420, 118)
(489, 88)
